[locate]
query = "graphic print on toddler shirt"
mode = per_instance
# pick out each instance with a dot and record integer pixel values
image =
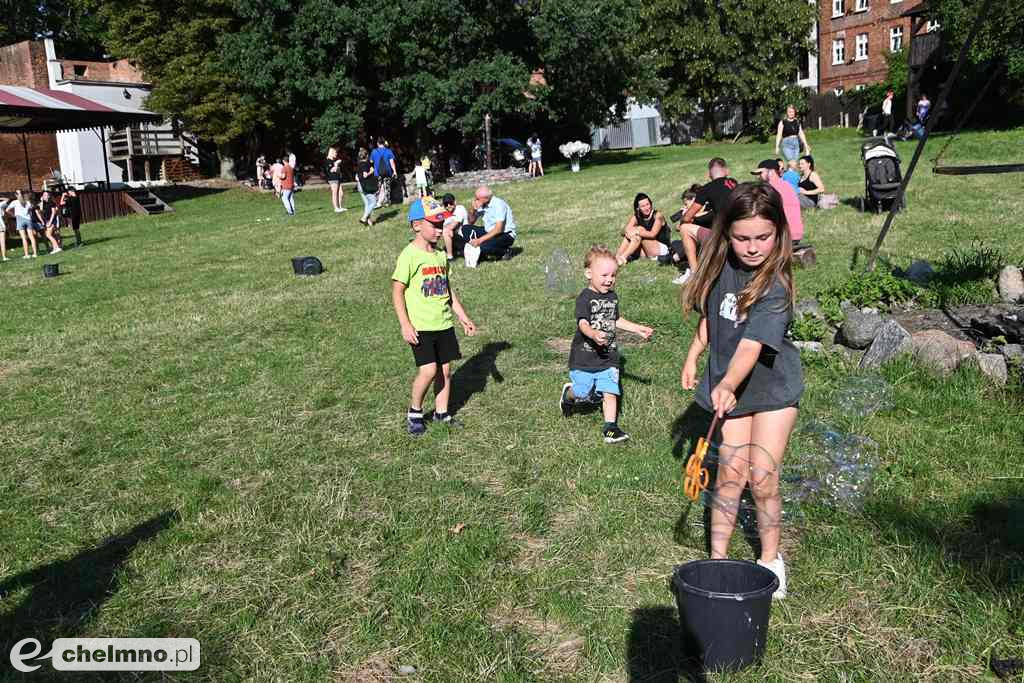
(602, 319)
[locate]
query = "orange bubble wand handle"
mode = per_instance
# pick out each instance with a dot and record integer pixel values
(696, 475)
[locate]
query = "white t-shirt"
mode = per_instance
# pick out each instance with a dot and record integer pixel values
(421, 175)
(459, 216)
(22, 210)
(887, 106)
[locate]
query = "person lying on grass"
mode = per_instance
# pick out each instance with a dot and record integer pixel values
(646, 232)
(743, 290)
(594, 354)
(424, 302)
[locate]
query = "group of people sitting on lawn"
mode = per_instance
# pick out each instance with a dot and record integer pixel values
(40, 220)
(648, 233)
(491, 240)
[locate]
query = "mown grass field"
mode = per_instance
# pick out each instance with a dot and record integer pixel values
(196, 443)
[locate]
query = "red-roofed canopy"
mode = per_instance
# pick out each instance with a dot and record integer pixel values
(39, 110)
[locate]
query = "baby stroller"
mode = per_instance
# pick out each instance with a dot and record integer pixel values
(882, 175)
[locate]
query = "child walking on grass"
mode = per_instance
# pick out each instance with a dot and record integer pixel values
(743, 290)
(594, 354)
(424, 302)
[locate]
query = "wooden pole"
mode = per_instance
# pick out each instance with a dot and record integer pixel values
(106, 164)
(978, 20)
(28, 166)
(487, 139)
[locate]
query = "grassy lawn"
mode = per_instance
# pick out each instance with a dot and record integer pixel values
(196, 443)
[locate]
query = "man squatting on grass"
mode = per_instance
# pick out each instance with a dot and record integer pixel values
(424, 302)
(594, 354)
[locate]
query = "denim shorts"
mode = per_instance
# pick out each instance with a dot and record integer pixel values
(791, 148)
(584, 382)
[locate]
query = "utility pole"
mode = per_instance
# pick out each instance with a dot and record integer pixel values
(487, 139)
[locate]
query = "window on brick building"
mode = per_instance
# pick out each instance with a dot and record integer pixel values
(837, 8)
(895, 39)
(859, 86)
(862, 47)
(803, 68)
(932, 26)
(838, 51)
(862, 6)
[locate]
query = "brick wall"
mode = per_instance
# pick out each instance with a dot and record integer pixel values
(119, 71)
(24, 64)
(42, 156)
(876, 21)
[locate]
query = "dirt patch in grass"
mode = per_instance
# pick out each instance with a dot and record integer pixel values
(559, 650)
(373, 670)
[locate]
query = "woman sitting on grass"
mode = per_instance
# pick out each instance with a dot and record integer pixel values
(646, 231)
(811, 187)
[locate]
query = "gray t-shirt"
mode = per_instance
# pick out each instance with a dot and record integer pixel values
(601, 311)
(777, 380)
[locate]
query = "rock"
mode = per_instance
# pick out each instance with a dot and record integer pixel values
(809, 307)
(810, 346)
(805, 258)
(920, 272)
(1013, 353)
(890, 340)
(940, 351)
(993, 365)
(406, 670)
(860, 326)
(1011, 284)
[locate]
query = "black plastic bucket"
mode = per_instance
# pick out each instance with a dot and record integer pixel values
(723, 611)
(51, 270)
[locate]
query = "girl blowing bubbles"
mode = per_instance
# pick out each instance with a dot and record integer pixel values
(743, 290)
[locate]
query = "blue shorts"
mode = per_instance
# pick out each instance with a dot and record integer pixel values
(600, 381)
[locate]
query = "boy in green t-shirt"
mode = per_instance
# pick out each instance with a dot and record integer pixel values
(424, 302)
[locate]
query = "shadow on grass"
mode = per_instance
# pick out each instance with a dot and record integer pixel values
(471, 377)
(986, 540)
(177, 193)
(657, 651)
(66, 594)
(608, 158)
(383, 216)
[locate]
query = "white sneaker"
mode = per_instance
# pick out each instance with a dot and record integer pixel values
(26, 256)
(778, 567)
(682, 279)
(57, 250)
(471, 255)
(341, 210)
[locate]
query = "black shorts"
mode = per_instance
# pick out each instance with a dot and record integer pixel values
(436, 347)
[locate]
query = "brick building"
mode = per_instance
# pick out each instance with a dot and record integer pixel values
(25, 64)
(854, 37)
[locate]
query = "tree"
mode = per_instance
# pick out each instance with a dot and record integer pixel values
(997, 44)
(77, 33)
(713, 52)
(176, 45)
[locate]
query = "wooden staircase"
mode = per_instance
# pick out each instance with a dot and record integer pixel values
(142, 201)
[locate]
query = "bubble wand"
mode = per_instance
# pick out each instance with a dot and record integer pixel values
(695, 478)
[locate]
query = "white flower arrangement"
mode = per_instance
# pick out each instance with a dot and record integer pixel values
(574, 151)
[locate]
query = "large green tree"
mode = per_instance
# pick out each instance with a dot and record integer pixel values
(76, 31)
(709, 53)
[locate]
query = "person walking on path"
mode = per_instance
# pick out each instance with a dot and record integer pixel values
(288, 189)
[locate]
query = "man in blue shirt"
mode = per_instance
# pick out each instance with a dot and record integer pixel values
(496, 236)
(383, 160)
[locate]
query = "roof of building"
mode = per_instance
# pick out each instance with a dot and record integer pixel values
(40, 110)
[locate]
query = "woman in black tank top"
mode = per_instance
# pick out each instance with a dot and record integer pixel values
(790, 136)
(811, 186)
(646, 232)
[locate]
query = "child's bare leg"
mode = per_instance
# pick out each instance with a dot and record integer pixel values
(769, 437)
(3, 241)
(610, 406)
(50, 237)
(446, 234)
(420, 384)
(690, 245)
(442, 388)
(31, 238)
(733, 472)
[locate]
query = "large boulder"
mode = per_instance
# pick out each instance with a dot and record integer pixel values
(940, 351)
(1013, 353)
(890, 340)
(860, 326)
(993, 365)
(1011, 284)
(809, 307)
